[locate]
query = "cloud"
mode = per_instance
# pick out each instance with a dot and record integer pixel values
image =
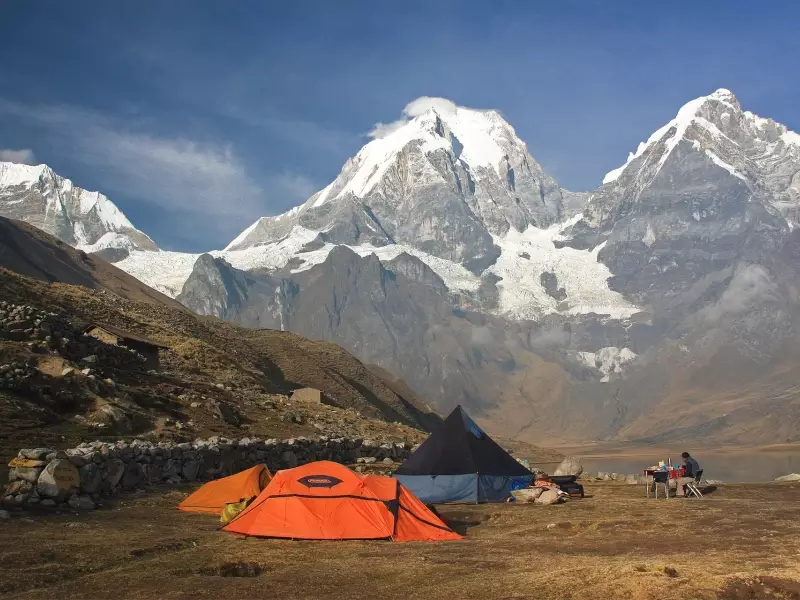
(413, 109)
(750, 287)
(22, 156)
(201, 181)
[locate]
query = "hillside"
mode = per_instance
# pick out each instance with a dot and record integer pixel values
(216, 378)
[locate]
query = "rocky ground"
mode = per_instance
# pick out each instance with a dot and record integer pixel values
(740, 542)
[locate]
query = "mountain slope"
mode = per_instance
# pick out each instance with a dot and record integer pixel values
(445, 182)
(210, 363)
(29, 251)
(86, 220)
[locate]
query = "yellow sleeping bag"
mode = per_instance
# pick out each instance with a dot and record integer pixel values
(230, 510)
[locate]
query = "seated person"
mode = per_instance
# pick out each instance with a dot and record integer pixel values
(691, 467)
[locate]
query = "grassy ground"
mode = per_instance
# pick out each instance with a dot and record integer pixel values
(739, 542)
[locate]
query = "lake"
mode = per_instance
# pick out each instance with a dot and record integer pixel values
(731, 467)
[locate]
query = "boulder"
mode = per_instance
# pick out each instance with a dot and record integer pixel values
(81, 502)
(527, 495)
(569, 466)
(289, 458)
(90, 478)
(632, 480)
(30, 474)
(171, 468)
(133, 475)
(115, 469)
(789, 477)
(548, 497)
(190, 470)
(225, 413)
(58, 480)
(35, 453)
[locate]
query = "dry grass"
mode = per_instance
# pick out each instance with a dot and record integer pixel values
(739, 542)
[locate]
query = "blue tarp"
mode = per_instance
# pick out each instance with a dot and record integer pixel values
(441, 489)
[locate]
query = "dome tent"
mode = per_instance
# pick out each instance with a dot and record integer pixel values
(327, 501)
(459, 462)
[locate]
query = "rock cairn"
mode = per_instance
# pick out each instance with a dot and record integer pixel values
(82, 477)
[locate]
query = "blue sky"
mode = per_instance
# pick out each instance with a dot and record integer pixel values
(197, 117)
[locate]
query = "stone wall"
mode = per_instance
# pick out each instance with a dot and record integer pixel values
(82, 477)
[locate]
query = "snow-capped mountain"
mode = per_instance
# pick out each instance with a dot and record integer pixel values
(762, 154)
(447, 182)
(452, 186)
(87, 220)
(714, 186)
(445, 254)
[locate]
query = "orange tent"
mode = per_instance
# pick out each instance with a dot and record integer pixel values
(327, 501)
(213, 496)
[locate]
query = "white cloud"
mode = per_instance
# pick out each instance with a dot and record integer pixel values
(22, 156)
(413, 109)
(204, 181)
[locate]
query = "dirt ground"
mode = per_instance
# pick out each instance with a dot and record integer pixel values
(739, 542)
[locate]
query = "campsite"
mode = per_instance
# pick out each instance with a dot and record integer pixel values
(457, 519)
(612, 544)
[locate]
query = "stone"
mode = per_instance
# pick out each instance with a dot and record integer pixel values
(569, 466)
(152, 473)
(133, 475)
(81, 502)
(289, 458)
(632, 480)
(30, 474)
(15, 487)
(58, 479)
(789, 477)
(5, 515)
(67, 371)
(388, 461)
(115, 469)
(78, 460)
(367, 460)
(48, 502)
(527, 495)
(548, 497)
(191, 469)
(35, 453)
(225, 413)
(90, 478)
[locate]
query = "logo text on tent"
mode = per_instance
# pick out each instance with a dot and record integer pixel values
(323, 481)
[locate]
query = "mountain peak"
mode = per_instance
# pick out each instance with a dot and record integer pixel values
(87, 220)
(718, 116)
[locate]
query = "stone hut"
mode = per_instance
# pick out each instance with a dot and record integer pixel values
(308, 395)
(119, 337)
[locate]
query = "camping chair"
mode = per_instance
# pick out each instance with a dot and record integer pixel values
(692, 488)
(661, 477)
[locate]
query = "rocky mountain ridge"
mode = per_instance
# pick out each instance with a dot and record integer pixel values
(444, 254)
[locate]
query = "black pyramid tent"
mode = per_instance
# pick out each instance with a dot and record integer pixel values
(459, 462)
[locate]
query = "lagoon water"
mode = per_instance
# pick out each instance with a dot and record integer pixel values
(731, 467)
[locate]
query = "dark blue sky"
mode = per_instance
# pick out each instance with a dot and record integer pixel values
(197, 117)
